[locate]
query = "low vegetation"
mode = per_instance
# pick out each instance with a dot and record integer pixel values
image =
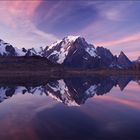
(37, 66)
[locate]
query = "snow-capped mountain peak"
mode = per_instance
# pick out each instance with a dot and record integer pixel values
(3, 47)
(63, 50)
(60, 48)
(54, 44)
(65, 39)
(6, 49)
(19, 52)
(71, 38)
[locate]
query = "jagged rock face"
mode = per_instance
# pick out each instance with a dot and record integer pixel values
(7, 49)
(31, 52)
(107, 58)
(82, 55)
(123, 61)
(11, 51)
(73, 52)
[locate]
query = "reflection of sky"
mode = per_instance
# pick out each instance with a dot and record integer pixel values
(16, 114)
(113, 115)
(129, 97)
(114, 25)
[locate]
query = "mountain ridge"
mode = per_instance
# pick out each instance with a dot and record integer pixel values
(72, 51)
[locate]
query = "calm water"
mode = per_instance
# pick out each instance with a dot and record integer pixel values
(84, 108)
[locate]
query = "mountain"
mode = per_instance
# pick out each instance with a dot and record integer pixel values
(7, 49)
(71, 51)
(123, 60)
(105, 55)
(74, 51)
(107, 59)
(33, 51)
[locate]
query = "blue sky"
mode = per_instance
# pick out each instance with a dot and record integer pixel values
(112, 24)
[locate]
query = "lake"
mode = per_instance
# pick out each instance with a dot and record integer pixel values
(83, 108)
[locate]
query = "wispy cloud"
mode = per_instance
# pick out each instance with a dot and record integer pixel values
(37, 22)
(51, 15)
(125, 39)
(116, 27)
(133, 55)
(18, 15)
(10, 10)
(112, 10)
(128, 43)
(125, 102)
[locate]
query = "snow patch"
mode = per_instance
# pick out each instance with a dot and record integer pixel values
(19, 52)
(85, 58)
(72, 38)
(114, 65)
(54, 44)
(91, 91)
(60, 86)
(91, 51)
(64, 48)
(62, 55)
(37, 90)
(3, 47)
(20, 89)
(2, 94)
(54, 97)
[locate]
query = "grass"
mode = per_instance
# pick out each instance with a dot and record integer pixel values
(42, 67)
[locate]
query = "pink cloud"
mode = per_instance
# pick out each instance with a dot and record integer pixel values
(17, 26)
(125, 102)
(24, 8)
(10, 11)
(125, 39)
(133, 54)
(99, 35)
(92, 30)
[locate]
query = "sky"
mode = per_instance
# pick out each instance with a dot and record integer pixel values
(35, 23)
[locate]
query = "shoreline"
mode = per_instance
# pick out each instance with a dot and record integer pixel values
(60, 72)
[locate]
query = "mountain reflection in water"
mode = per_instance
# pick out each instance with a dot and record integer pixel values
(54, 114)
(70, 91)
